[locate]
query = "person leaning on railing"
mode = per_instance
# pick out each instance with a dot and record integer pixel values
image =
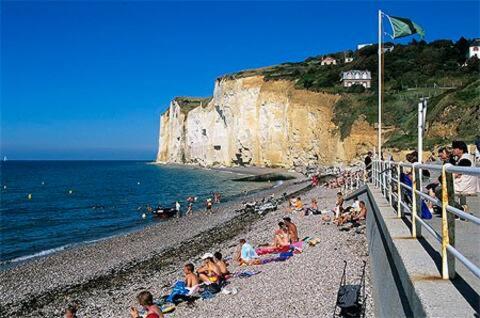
(466, 186)
(368, 165)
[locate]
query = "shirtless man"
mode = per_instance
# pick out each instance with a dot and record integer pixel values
(191, 279)
(362, 214)
(222, 265)
(292, 230)
(209, 272)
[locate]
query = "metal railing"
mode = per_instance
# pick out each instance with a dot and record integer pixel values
(354, 180)
(386, 175)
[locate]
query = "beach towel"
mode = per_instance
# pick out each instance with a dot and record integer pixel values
(272, 250)
(425, 212)
(297, 247)
(179, 289)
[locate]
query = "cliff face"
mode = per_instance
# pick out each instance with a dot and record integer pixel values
(263, 123)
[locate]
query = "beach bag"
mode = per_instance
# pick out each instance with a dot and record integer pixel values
(349, 300)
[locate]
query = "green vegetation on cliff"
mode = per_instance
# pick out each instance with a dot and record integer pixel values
(188, 103)
(438, 70)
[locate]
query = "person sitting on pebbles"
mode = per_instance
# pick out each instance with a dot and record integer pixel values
(209, 272)
(355, 217)
(145, 299)
(298, 205)
(245, 254)
(281, 236)
(222, 265)
(191, 279)
(313, 209)
(292, 230)
(362, 213)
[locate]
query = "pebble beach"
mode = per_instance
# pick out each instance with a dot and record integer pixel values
(103, 278)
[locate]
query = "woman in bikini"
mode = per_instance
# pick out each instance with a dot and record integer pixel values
(209, 272)
(281, 236)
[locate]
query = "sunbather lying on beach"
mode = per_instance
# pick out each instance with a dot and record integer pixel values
(209, 272)
(222, 265)
(145, 299)
(292, 230)
(281, 236)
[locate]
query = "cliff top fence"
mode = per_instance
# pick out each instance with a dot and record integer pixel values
(392, 178)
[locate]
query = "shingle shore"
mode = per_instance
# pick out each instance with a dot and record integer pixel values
(43, 286)
(105, 277)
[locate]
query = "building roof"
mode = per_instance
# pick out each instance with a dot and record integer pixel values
(475, 42)
(328, 58)
(353, 73)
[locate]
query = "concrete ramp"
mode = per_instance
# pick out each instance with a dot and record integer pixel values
(406, 280)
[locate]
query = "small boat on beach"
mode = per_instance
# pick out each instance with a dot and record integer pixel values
(164, 212)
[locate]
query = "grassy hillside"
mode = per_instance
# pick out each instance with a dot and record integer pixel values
(436, 70)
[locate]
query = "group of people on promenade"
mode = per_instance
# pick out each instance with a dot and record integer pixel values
(466, 187)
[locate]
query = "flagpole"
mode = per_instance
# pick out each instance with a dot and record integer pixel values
(379, 84)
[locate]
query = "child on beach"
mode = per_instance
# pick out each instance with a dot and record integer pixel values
(145, 299)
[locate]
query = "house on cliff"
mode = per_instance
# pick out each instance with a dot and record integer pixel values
(356, 77)
(474, 49)
(328, 61)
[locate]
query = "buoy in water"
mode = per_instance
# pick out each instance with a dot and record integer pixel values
(70, 191)
(43, 182)
(4, 187)
(138, 182)
(29, 196)
(144, 216)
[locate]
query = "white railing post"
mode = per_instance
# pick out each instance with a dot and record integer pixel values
(414, 204)
(399, 190)
(384, 179)
(390, 183)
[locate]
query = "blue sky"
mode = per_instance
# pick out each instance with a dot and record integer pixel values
(88, 80)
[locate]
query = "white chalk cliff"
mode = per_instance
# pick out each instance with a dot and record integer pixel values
(249, 121)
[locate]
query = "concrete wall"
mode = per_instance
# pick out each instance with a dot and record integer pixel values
(406, 280)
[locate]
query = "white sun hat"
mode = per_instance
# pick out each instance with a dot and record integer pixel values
(207, 255)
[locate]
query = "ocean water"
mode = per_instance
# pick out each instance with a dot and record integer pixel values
(74, 202)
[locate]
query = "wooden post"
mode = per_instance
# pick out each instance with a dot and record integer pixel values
(450, 218)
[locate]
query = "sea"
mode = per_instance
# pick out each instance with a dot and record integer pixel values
(49, 206)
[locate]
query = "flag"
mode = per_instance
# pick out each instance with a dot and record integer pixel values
(404, 27)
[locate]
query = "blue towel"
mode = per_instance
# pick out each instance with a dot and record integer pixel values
(179, 289)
